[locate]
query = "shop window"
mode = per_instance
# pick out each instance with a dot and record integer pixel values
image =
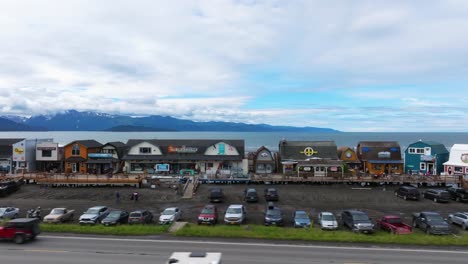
(395, 167)
(144, 150)
(458, 169)
(76, 150)
(422, 166)
(47, 153)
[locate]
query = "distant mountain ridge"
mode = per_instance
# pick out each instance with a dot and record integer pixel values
(73, 120)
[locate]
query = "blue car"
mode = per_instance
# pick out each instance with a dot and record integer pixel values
(301, 219)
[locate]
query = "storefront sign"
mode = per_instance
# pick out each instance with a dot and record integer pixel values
(46, 148)
(182, 149)
(309, 151)
(464, 157)
(100, 155)
(161, 167)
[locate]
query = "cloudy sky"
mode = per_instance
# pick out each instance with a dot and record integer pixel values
(347, 65)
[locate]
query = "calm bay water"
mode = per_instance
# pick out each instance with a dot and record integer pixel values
(253, 140)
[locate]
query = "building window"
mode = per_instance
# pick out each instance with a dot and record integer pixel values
(395, 167)
(458, 169)
(420, 151)
(47, 153)
(145, 150)
(416, 150)
(109, 151)
(422, 166)
(76, 150)
(377, 167)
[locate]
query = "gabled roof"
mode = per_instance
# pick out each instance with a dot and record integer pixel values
(9, 141)
(379, 151)
(296, 150)
(116, 144)
(436, 147)
(90, 143)
(458, 155)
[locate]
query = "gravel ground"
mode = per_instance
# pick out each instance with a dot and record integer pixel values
(376, 201)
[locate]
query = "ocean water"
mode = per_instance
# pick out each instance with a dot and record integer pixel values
(253, 140)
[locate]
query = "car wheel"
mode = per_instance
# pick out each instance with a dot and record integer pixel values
(19, 239)
(450, 221)
(428, 231)
(464, 226)
(396, 194)
(424, 195)
(15, 216)
(405, 197)
(415, 224)
(435, 200)
(457, 199)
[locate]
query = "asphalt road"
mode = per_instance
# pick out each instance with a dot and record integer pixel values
(79, 250)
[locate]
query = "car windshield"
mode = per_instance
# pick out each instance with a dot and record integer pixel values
(436, 218)
(208, 211)
(394, 220)
(328, 217)
(360, 217)
(233, 211)
(58, 211)
(301, 215)
(92, 211)
(274, 212)
(135, 215)
(2, 210)
(115, 214)
(168, 212)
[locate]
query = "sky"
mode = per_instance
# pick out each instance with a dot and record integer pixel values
(357, 66)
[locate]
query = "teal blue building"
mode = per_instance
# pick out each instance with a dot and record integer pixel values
(426, 157)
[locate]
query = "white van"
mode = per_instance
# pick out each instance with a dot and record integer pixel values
(195, 258)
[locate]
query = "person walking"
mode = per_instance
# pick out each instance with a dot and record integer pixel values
(117, 197)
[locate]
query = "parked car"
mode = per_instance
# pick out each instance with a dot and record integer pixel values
(273, 215)
(301, 219)
(394, 224)
(140, 217)
(235, 214)
(9, 187)
(216, 195)
(357, 221)
(459, 218)
(59, 215)
(408, 192)
(94, 215)
(431, 223)
(170, 215)
(437, 195)
(208, 215)
(327, 221)
(271, 194)
(20, 230)
(458, 194)
(9, 212)
(250, 195)
(115, 218)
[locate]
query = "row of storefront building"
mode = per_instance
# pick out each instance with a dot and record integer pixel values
(229, 158)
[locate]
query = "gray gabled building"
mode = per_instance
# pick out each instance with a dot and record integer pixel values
(309, 158)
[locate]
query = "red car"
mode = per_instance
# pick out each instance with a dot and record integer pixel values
(394, 224)
(20, 230)
(209, 215)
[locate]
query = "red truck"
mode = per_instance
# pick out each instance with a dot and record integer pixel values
(394, 224)
(20, 230)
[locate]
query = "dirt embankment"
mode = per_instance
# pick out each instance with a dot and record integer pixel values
(377, 201)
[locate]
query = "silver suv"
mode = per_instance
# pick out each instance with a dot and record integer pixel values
(235, 214)
(94, 215)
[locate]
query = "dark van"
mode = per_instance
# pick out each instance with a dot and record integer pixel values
(216, 195)
(438, 196)
(408, 192)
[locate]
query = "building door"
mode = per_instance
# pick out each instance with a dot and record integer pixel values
(74, 167)
(430, 168)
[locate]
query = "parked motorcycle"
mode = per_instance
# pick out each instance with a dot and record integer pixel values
(34, 213)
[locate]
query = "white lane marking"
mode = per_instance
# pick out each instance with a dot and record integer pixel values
(259, 244)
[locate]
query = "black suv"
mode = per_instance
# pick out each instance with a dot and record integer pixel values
(250, 195)
(273, 215)
(458, 194)
(408, 192)
(216, 195)
(271, 194)
(9, 187)
(437, 195)
(357, 221)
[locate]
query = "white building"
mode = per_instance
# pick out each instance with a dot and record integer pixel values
(24, 155)
(458, 160)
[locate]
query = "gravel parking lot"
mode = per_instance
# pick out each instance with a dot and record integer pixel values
(375, 200)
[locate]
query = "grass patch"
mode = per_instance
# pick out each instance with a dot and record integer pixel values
(120, 230)
(315, 234)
